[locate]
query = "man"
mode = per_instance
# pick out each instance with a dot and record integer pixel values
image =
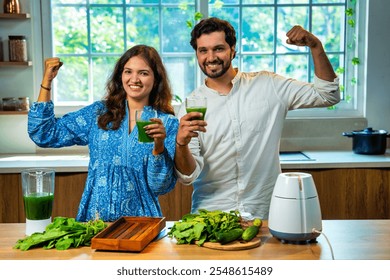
(235, 163)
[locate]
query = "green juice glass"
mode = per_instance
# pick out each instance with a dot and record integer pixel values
(142, 118)
(197, 109)
(197, 104)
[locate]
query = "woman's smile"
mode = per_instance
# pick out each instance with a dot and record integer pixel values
(137, 79)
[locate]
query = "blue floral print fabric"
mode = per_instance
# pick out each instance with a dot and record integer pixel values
(124, 177)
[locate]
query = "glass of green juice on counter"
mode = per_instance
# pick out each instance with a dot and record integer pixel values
(197, 104)
(38, 197)
(143, 118)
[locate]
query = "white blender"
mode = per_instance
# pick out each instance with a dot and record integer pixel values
(295, 213)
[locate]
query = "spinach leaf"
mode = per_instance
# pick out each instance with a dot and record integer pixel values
(62, 234)
(205, 226)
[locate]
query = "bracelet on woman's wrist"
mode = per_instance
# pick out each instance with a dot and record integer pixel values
(46, 88)
(177, 143)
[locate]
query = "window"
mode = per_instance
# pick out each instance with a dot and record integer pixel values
(101, 30)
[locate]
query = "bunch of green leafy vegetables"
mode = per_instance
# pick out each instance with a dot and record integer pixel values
(204, 227)
(62, 234)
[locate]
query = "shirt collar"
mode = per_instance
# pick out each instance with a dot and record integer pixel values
(234, 81)
(237, 77)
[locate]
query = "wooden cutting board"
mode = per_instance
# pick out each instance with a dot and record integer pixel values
(128, 234)
(234, 246)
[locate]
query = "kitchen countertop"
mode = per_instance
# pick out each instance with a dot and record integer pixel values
(338, 159)
(14, 163)
(349, 240)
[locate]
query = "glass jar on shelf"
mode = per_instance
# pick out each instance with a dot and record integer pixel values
(17, 48)
(10, 104)
(24, 104)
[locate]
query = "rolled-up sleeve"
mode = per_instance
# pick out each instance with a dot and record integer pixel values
(296, 94)
(161, 176)
(330, 91)
(195, 150)
(46, 130)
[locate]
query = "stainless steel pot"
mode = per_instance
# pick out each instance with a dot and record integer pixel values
(368, 141)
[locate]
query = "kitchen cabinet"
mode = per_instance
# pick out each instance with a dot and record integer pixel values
(68, 190)
(344, 193)
(352, 193)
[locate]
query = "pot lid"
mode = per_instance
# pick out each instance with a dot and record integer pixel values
(369, 131)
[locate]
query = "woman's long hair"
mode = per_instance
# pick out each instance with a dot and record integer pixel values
(160, 97)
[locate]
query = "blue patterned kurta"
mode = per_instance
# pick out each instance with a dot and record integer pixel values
(124, 177)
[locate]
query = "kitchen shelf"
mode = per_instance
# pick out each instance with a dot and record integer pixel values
(13, 113)
(14, 16)
(15, 63)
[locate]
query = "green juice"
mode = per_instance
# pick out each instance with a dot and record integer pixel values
(197, 109)
(142, 136)
(38, 206)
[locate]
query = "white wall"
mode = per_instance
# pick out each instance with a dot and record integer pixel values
(14, 137)
(17, 81)
(378, 65)
(298, 135)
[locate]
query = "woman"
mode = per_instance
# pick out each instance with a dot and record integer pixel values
(125, 177)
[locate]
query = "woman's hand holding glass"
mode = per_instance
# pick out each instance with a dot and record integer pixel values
(150, 129)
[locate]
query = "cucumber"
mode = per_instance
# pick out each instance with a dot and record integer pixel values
(227, 237)
(257, 222)
(250, 233)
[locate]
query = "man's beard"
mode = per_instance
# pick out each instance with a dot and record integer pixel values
(219, 73)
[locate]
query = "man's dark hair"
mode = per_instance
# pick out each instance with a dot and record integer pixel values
(209, 25)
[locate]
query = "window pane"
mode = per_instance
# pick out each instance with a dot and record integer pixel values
(105, 1)
(329, 1)
(181, 72)
(328, 26)
(293, 1)
(337, 61)
(69, 37)
(257, 1)
(55, 2)
(219, 2)
(175, 33)
(287, 18)
(231, 15)
(73, 80)
(142, 27)
(174, 1)
(294, 66)
(255, 63)
(142, 1)
(102, 67)
(258, 29)
(106, 30)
